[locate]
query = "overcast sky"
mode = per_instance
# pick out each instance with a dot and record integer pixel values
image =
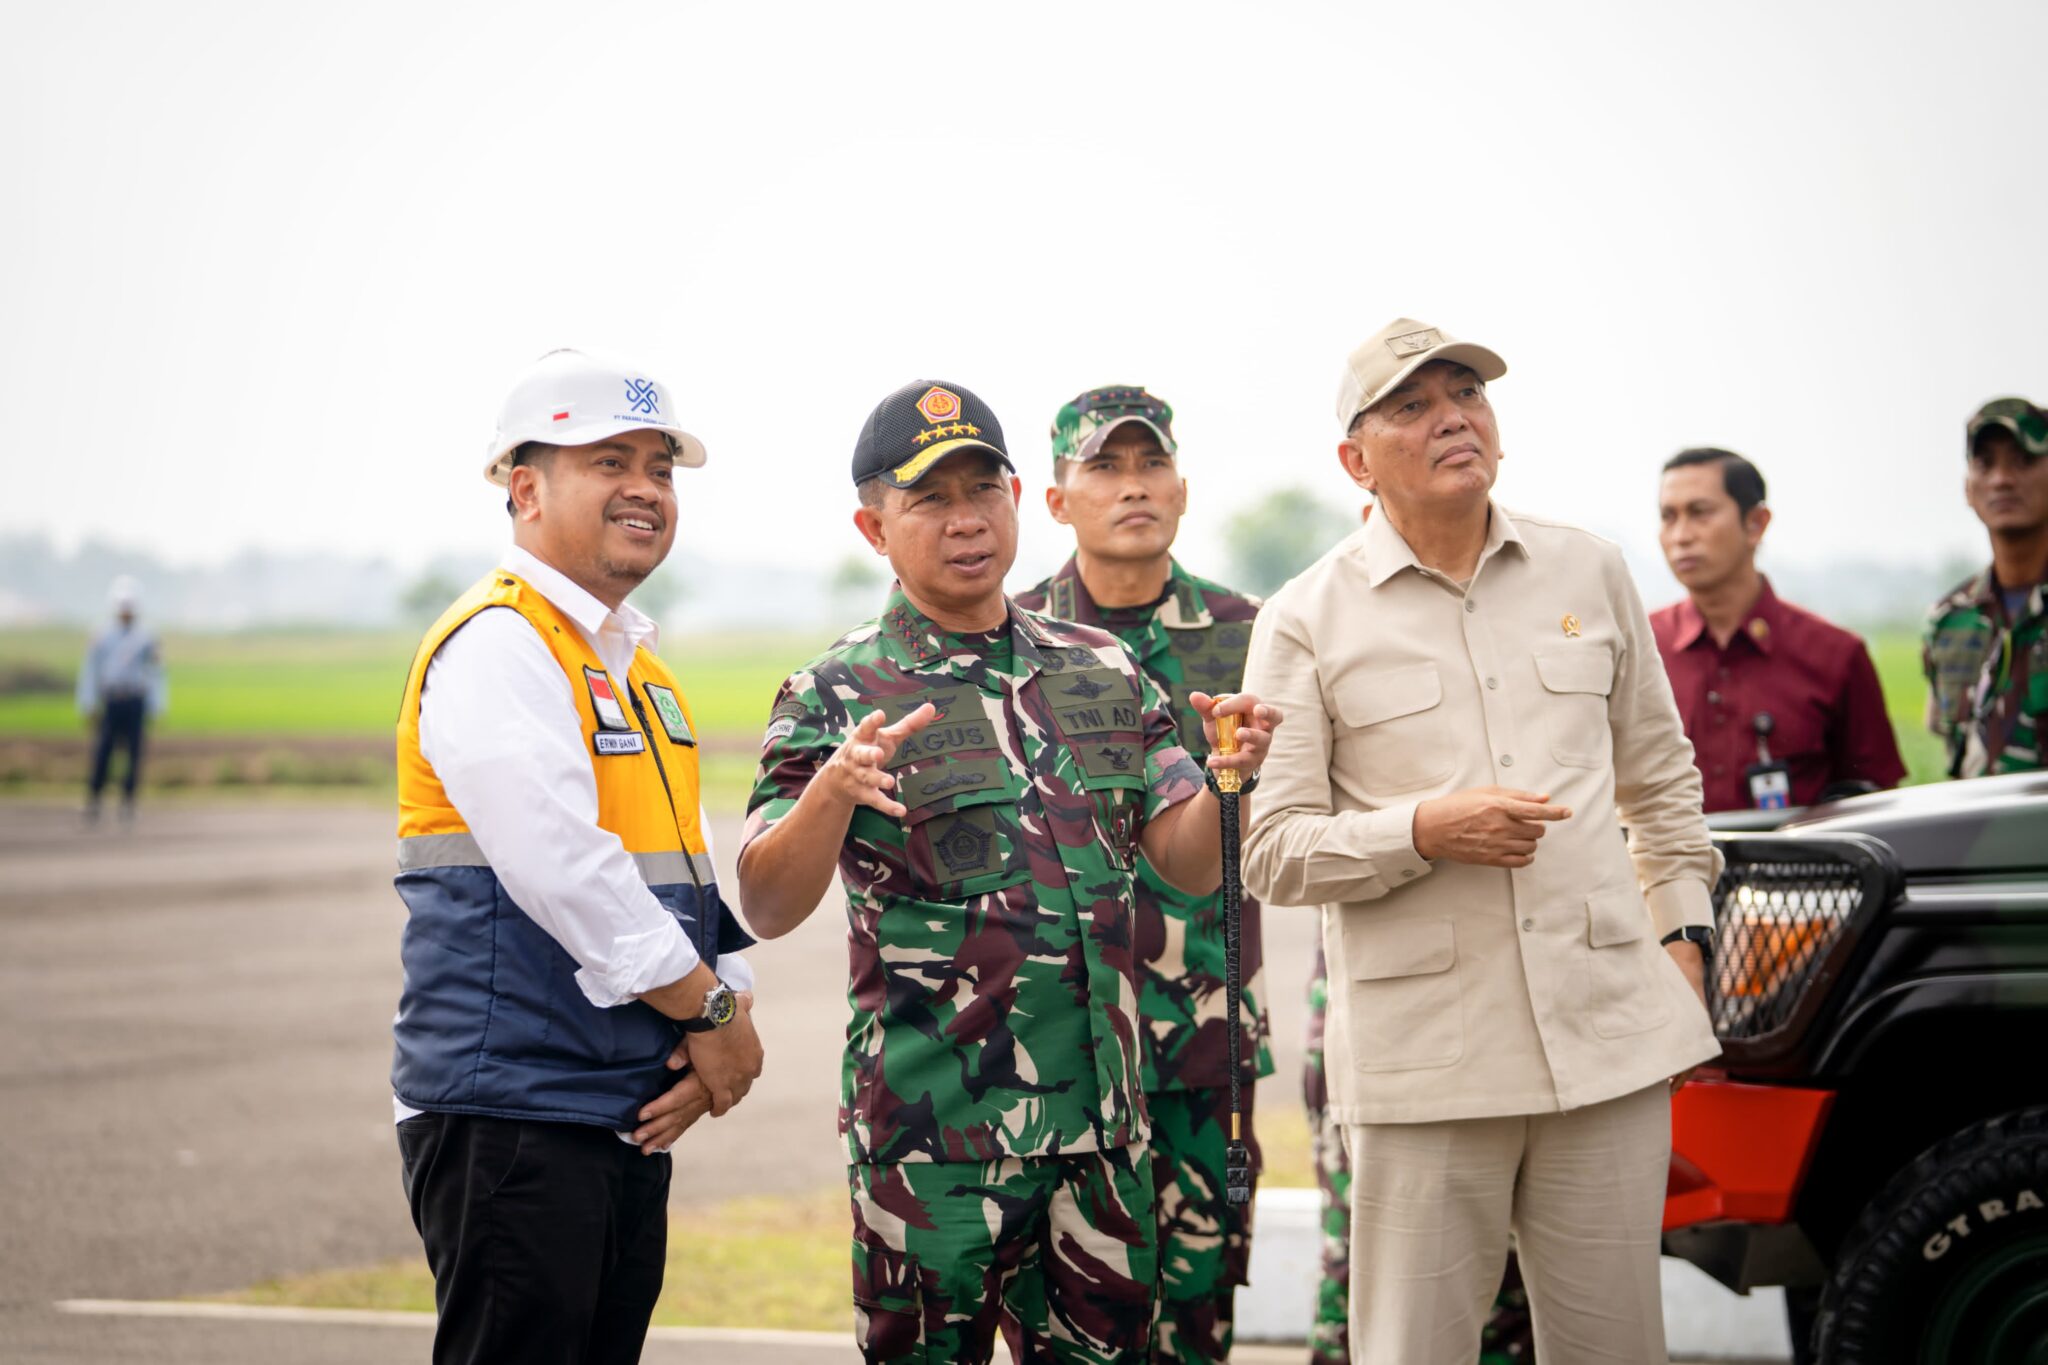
(266, 269)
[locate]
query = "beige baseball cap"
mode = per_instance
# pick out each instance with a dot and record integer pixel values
(1396, 351)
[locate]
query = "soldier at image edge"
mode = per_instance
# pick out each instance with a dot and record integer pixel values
(1986, 649)
(1117, 483)
(981, 779)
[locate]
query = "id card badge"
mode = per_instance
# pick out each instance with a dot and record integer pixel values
(1770, 786)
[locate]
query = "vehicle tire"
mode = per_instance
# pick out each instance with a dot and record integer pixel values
(1949, 1264)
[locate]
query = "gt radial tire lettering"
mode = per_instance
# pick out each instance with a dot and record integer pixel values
(1989, 1211)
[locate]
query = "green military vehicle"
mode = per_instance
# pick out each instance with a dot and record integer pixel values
(1874, 1136)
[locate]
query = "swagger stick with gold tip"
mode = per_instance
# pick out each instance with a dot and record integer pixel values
(1228, 784)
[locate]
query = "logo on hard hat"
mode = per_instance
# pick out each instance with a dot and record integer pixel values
(939, 405)
(643, 397)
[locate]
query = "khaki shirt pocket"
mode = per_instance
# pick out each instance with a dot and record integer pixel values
(1393, 727)
(1576, 684)
(1407, 1011)
(1623, 992)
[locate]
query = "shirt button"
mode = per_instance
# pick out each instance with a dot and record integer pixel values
(1493, 682)
(1528, 924)
(1470, 605)
(1507, 760)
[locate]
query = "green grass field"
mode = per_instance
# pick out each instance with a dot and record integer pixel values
(338, 683)
(346, 683)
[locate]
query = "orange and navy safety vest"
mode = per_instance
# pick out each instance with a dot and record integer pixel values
(491, 1020)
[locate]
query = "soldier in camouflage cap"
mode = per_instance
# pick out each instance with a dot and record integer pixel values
(982, 780)
(1116, 482)
(1986, 654)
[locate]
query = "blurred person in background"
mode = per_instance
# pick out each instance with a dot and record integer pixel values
(120, 687)
(1986, 652)
(566, 949)
(1783, 708)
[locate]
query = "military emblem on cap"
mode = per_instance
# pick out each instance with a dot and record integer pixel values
(939, 405)
(917, 426)
(1414, 343)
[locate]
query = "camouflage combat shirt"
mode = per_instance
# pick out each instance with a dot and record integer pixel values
(1989, 678)
(1192, 639)
(990, 968)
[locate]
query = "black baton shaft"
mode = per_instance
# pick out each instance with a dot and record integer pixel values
(1237, 1166)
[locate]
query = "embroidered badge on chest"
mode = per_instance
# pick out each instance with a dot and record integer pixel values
(671, 712)
(604, 701)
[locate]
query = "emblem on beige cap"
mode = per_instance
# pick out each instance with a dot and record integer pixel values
(1415, 343)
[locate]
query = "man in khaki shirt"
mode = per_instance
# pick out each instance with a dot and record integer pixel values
(1481, 710)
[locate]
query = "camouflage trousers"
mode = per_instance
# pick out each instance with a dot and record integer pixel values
(1204, 1244)
(1507, 1338)
(1058, 1250)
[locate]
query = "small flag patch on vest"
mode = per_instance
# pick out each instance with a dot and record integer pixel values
(671, 712)
(604, 701)
(632, 742)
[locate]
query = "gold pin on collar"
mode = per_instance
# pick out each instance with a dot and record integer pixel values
(1571, 626)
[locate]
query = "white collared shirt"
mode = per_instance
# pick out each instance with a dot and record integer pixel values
(499, 726)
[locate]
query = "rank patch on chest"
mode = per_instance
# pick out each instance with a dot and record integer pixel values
(604, 700)
(671, 712)
(966, 846)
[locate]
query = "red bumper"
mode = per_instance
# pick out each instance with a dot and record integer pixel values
(1739, 1152)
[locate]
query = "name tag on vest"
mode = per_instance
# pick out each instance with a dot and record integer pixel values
(609, 742)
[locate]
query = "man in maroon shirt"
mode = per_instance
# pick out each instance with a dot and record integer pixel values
(1780, 706)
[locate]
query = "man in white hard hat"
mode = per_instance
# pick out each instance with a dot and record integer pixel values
(1514, 989)
(566, 950)
(120, 686)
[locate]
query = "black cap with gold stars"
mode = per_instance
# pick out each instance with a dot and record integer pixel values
(914, 428)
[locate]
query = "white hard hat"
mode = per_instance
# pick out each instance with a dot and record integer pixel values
(123, 594)
(568, 398)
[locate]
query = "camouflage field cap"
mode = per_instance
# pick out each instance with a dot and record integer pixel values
(2027, 423)
(1080, 428)
(917, 426)
(1398, 350)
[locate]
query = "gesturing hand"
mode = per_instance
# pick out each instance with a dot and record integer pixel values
(1491, 826)
(857, 773)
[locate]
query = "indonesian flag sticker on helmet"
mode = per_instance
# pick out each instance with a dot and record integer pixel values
(569, 398)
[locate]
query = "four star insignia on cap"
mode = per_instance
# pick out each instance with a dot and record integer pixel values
(934, 433)
(939, 405)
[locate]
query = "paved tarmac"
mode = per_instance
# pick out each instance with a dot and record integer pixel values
(194, 1044)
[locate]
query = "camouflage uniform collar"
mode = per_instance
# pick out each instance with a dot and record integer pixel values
(1983, 593)
(1180, 605)
(924, 645)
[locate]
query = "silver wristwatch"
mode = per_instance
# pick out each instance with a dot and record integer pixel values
(720, 1004)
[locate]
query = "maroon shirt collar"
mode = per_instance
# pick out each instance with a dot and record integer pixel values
(1761, 625)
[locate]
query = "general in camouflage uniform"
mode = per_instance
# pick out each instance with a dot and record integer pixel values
(1117, 485)
(981, 779)
(1986, 652)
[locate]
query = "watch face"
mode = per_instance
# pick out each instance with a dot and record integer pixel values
(723, 1005)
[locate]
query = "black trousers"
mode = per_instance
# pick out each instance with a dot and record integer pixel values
(120, 724)
(546, 1240)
